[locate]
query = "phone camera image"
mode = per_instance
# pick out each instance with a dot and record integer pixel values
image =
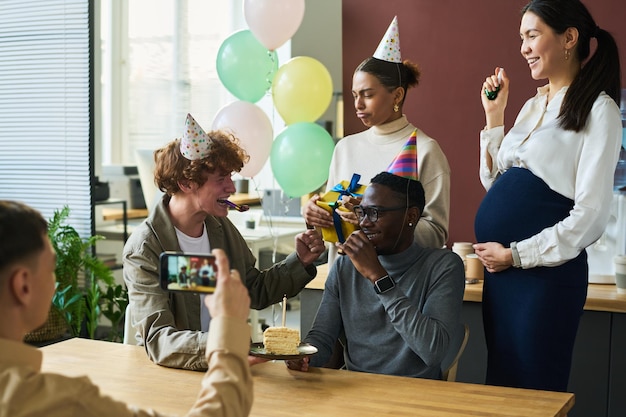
(187, 272)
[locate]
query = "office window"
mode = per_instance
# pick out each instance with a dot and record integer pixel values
(45, 109)
(157, 67)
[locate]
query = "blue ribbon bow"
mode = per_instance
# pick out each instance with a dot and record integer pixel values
(350, 191)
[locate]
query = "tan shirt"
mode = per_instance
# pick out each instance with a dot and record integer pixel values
(25, 391)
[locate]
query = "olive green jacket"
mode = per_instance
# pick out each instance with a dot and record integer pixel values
(168, 323)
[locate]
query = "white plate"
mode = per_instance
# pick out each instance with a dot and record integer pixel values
(258, 350)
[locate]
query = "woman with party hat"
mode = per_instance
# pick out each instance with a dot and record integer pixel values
(195, 174)
(379, 88)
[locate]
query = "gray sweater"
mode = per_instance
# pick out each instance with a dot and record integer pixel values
(405, 331)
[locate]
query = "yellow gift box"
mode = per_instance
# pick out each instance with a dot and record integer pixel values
(330, 201)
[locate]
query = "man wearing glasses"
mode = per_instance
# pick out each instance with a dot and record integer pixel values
(393, 303)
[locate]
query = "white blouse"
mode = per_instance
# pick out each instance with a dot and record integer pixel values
(577, 165)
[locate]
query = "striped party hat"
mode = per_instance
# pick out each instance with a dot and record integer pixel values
(389, 46)
(405, 163)
(195, 143)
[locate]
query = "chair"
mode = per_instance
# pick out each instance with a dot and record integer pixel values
(450, 362)
(145, 168)
(129, 330)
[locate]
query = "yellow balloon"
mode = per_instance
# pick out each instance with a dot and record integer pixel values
(302, 90)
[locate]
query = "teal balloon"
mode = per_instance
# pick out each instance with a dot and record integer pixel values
(245, 67)
(300, 158)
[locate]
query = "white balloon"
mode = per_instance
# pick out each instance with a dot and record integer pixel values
(273, 22)
(249, 123)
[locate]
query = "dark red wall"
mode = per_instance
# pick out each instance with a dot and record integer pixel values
(457, 44)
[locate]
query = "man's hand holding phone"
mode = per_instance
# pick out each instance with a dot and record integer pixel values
(231, 298)
(188, 272)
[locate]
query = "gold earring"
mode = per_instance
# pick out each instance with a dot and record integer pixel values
(396, 108)
(567, 54)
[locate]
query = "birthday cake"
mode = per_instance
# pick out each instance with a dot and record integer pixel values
(281, 340)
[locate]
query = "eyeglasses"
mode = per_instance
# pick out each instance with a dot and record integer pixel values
(372, 212)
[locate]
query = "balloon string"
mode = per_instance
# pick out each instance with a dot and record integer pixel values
(268, 77)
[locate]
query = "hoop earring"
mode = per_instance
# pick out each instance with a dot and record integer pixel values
(396, 108)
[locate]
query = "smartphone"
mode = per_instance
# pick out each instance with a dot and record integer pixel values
(187, 272)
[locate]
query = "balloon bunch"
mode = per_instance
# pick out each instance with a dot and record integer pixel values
(247, 65)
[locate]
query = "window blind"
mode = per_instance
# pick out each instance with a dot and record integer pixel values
(46, 146)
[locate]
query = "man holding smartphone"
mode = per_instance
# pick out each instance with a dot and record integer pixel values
(27, 266)
(195, 172)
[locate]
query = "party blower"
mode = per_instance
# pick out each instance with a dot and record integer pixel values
(238, 207)
(491, 95)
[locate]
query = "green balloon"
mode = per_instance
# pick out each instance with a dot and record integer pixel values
(245, 67)
(300, 158)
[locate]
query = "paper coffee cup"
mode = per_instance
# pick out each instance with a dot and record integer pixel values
(462, 248)
(620, 273)
(473, 267)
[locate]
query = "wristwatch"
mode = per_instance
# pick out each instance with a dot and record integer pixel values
(384, 284)
(517, 262)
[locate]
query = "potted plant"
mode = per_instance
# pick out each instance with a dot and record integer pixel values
(73, 304)
(113, 303)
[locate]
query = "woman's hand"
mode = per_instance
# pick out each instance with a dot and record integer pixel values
(494, 109)
(316, 216)
(349, 203)
(494, 256)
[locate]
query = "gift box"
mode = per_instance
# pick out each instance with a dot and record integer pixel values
(331, 200)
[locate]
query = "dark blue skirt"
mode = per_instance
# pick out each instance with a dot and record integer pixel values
(530, 315)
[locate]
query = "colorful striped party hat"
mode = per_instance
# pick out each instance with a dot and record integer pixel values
(195, 143)
(405, 163)
(389, 46)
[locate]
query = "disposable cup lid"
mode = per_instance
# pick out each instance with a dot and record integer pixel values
(462, 244)
(620, 259)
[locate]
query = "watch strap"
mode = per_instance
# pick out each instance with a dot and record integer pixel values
(517, 262)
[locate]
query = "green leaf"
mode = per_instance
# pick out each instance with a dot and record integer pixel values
(74, 259)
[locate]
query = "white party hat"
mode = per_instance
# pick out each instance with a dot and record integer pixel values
(195, 143)
(389, 46)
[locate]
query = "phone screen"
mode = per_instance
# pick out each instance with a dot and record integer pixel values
(187, 272)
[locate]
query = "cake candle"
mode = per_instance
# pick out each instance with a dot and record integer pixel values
(284, 308)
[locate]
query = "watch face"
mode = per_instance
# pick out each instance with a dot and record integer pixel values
(384, 284)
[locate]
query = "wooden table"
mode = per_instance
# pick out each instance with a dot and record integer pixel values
(125, 373)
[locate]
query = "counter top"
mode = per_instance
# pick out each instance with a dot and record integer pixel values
(600, 297)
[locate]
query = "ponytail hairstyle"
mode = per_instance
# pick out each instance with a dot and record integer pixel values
(391, 74)
(600, 73)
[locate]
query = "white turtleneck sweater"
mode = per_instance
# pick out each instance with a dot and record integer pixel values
(370, 152)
